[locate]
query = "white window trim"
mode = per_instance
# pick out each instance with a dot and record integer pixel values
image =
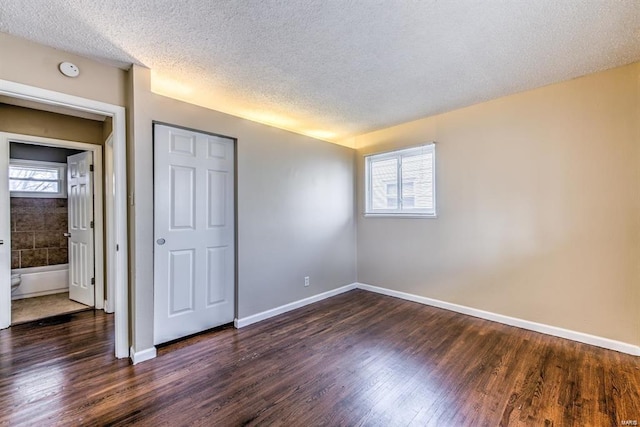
(62, 170)
(397, 213)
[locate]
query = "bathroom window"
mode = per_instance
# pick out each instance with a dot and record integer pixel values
(30, 178)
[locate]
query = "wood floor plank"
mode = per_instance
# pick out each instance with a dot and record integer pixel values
(355, 359)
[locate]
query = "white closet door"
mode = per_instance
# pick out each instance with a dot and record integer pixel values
(194, 256)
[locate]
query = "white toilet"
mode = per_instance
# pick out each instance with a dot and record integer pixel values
(15, 281)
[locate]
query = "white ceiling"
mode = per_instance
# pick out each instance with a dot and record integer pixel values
(339, 68)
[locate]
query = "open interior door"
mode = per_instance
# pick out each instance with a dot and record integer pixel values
(81, 250)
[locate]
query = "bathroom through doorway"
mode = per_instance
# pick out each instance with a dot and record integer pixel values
(56, 222)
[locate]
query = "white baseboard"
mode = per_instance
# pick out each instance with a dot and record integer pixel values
(107, 307)
(141, 356)
(512, 321)
(246, 321)
(99, 304)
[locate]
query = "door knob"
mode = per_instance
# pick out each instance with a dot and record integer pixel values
(160, 241)
(67, 234)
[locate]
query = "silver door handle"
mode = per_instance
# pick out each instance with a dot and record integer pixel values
(160, 241)
(67, 234)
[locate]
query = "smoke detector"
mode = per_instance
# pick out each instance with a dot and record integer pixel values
(69, 69)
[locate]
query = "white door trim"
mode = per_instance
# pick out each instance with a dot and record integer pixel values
(121, 297)
(109, 228)
(98, 204)
(5, 227)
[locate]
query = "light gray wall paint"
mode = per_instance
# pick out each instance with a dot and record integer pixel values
(295, 208)
(295, 217)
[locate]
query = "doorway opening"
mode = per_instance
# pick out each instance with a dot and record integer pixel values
(54, 194)
(115, 212)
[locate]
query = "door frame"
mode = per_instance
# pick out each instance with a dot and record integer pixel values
(119, 210)
(98, 230)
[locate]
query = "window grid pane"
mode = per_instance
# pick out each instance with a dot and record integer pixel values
(25, 172)
(384, 184)
(417, 182)
(33, 186)
(35, 179)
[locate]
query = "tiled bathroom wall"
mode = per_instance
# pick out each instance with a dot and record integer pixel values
(37, 227)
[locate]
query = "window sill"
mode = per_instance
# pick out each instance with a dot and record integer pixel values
(390, 215)
(35, 195)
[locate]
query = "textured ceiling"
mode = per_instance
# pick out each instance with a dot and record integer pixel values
(338, 68)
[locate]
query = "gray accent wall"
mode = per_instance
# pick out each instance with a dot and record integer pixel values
(295, 207)
(295, 214)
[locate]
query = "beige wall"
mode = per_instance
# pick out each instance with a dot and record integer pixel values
(33, 64)
(538, 208)
(27, 121)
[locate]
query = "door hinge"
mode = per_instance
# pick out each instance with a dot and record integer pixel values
(90, 168)
(91, 224)
(93, 280)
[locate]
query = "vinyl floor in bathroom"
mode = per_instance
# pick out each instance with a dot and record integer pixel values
(30, 309)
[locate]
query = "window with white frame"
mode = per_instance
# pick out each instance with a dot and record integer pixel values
(401, 182)
(31, 178)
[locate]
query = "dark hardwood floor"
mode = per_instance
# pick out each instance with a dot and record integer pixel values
(356, 359)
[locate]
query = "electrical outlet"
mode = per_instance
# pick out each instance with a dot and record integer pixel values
(306, 281)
